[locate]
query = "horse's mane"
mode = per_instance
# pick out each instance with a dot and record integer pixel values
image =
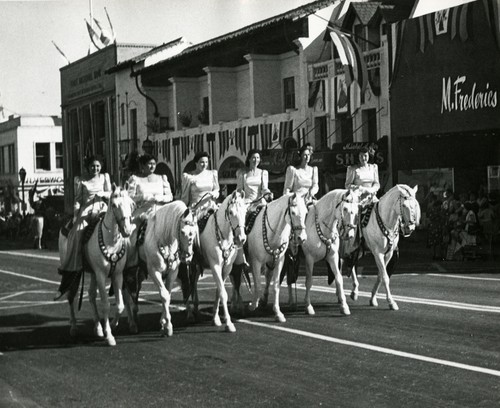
(330, 200)
(166, 219)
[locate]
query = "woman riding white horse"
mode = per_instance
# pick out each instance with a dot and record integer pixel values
(269, 239)
(91, 192)
(220, 240)
(168, 241)
(398, 210)
(331, 219)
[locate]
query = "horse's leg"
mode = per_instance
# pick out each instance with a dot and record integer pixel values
(105, 305)
(222, 298)
(169, 283)
(93, 302)
(256, 268)
(309, 274)
(355, 284)
(379, 261)
(215, 310)
(386, 279)
(269, 276)
(278, 315)
(120, 306)
(165, 323)
(73, 331)
(131, 308)
(333, 261)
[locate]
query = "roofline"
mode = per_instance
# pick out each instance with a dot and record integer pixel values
(295, 14)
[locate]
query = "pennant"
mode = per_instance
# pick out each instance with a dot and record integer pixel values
(275, 138)
(396, 39)
(198, 143)
(113, 35)
(253, 136)
(105, 36)
(346, 63)
(223, 142)
(301, 136)
(314, 88)
(265, 135)
(231, 137)
(93, 35)
(60, 52)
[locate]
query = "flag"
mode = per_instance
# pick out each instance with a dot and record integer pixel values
(231, 136)
(425, 31)
(105, 36)
(265, 135)
(301, 136)
(314, 88)
(395, 40)
(211, 148)
(198, 143)
(275, 137)
(253, 135)
(344, 59)
(60, 52)
(93, 35)
(113, 35)
(286, 129)
(492, 10)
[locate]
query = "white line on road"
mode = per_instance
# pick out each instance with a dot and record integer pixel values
(29, 277)
(463, 277)
(26, 255)
(375, 348)
(421, 301)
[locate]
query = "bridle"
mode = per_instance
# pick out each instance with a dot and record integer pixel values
(228, 250)
(119, 220)
(343, 227)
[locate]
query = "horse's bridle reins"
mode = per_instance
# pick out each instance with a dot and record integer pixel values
(276, 253)
(392, 235)
(119, 220)
(227, 251)
(170, 257)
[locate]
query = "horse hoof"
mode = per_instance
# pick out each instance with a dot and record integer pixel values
(111, 341)
(345, 311)
(374, 302)
(280, 318)
(230, 328)
(393, 306)
(310, 310)
(169, 332)
(216, 321)
(98, 331)
(354, 296)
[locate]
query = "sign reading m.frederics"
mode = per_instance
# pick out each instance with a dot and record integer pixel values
(461, 96)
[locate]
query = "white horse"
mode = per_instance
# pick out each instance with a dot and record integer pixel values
(398, 209)
(104, 253)
(268, 240)
(330, 219)
(219, 243)
(169, 238)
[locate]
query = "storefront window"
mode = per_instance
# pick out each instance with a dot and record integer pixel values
(59, 155)
(289, 92)
(7, 159)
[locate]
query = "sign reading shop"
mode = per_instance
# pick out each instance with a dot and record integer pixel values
(459, 95)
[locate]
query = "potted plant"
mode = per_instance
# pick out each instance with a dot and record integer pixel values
(185, 118)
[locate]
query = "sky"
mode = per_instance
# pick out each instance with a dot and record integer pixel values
(29, 62)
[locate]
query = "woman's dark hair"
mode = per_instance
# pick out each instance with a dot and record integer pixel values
(307, 146)
(363, 150)
(200, 155)
(251, 152)
(92, 158)
(146, 158)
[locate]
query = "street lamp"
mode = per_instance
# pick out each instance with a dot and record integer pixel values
(22, 176)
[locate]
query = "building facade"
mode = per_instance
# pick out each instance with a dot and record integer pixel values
(444, 96)
(32, 143)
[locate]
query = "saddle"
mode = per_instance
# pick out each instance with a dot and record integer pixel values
(202, 222)
(250, 219)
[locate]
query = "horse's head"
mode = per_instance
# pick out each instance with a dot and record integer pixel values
(348, 209)
(235, 213)
(409, 210)
(122, 206)
(188, 229)
(297, 210)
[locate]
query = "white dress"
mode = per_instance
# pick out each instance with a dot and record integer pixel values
(366, 177)
(196, 186)
(301, 181)
(254, 184)
(148, 193)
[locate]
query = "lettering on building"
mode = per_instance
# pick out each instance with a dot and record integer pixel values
(459, 96)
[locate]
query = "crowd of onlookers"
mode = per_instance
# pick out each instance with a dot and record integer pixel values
(458, 225)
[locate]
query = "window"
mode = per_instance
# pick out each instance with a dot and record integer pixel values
(164, 123)
(289, 92)
(122, 113)
(59, 156)
(42, 152)
(7, 159)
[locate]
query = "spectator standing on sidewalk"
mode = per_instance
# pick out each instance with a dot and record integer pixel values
(435, 230)
(488, 224)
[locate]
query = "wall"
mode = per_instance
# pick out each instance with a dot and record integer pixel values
(223, 94)
(186, 97)
(265, 84)
(243, 90)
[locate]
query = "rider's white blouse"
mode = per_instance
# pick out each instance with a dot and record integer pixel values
(89, 194)
(195, 186)
(301, 181)
(253, 183)
(154, 187)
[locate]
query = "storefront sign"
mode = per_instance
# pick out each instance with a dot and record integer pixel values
(228, 169)
(459, 95)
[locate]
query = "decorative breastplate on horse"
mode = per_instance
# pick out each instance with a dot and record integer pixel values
(141, 233)
(112, 258)
(275, 253)
(328, 242)
(226, 252)
(250, 219)
(202, 222)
